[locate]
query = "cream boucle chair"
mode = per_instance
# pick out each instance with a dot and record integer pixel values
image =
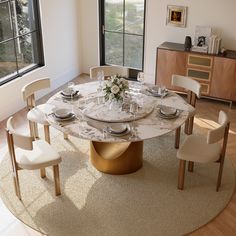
(36, 114)
(109, 71)
(203, 150)
(31, 155)
(193, 92)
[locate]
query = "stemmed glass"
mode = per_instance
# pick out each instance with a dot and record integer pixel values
(161, 91)
(71, 89)
(140, 78)
(100, 77)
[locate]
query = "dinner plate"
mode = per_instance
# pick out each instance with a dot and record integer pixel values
(126, 131)
(156, 93)
(117, 128)
(168, 111)
(71, 117)
(62, 113)
(168, 116)
(65, 94)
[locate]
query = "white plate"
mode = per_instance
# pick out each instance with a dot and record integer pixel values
(117, 128)
(168, 116)
(62, 113)
(126, 131)
(68, 95)
(168, 111)
(72, 116)
(156, 93)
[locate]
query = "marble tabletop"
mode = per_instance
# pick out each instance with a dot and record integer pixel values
(151, 125)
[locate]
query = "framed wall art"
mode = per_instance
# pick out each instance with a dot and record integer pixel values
(176, 16)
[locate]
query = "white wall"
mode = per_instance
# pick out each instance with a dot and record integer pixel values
(89, 24)
(218, 14)
(60, 26)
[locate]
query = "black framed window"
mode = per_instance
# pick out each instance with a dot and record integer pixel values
(21, 48)
(122, 27)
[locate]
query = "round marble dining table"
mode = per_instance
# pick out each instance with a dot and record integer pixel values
(116, 154)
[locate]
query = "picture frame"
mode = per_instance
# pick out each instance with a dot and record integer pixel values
(176, 16)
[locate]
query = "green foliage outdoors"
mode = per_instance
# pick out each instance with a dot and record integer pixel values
(133, 44)
(23, 44)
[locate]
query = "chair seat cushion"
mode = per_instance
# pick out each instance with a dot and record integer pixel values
(195, 148)
(42, 155)
(37, 114)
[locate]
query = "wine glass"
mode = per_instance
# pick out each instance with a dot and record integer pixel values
(100, 77)
(161, 91)
(71, 90)
(140, 78)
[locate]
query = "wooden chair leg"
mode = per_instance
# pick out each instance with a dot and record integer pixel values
(47, 133)
(190, 166)
(31, 127)
(17, 185)
(182, 164)
(186, 126)
(65, 136)
(177, 137)
(36, 132)
(190, 125)
(220, 175)
(56, 180)
(43, 172)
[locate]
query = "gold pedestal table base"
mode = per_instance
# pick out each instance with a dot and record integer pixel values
(117, 158)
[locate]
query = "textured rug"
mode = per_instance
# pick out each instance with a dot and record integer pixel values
(146, 202)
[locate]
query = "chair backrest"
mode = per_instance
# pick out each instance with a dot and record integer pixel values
(29, 89)
(109, 71)
(21, 141)
(221, 132)
(192, 86)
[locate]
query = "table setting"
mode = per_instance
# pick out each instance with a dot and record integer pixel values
(116, 110)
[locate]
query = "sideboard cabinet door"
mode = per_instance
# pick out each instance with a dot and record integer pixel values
(223, 84)
(169, 63)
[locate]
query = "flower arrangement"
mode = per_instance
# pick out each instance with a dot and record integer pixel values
(115, 88)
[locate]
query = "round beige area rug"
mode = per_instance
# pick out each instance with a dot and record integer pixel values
(146, 202)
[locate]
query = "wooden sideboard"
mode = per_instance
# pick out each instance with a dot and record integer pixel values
(217, 74)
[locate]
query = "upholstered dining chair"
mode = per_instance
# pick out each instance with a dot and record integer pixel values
(203, 150)
(109, 70)
(36, 114)
(30, 155)
(193, 89)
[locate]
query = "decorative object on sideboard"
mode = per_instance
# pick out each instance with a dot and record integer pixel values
(214, 44)
(176, 16)
(188, 43)
(201, 38)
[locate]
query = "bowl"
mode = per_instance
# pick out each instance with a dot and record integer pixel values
(62, 113)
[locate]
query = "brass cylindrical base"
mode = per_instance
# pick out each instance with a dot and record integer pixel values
(116, 158)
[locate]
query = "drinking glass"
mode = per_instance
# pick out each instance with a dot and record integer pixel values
(71, 89)
(161, 91)
(140, 78)
(100, 77)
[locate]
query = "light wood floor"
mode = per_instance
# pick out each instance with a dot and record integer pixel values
(225, 222)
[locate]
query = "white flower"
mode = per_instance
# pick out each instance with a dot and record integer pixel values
(109, 83)
(115, 89)
(111, 96)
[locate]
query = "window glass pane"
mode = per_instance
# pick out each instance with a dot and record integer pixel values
(22, 16)
(7, 58)
(134, 16)
(133, 51)
(5, 22)
(113, 48)
(25, 51)
(114, 15)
